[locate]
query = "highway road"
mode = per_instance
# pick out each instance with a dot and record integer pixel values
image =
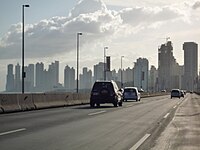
(135, 125)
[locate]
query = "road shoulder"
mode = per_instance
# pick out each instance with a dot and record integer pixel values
(184, 130)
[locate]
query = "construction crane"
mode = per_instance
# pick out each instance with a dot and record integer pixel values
(167, 38)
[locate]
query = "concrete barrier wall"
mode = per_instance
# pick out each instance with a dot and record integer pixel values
(9, 102)
(1, 107)
(40, 101)
(31, 101)
(25, 102)
(22, 102)
(56, 99)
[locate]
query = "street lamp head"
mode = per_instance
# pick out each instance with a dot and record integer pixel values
(106, 47)
(26, 5)
(80, 33)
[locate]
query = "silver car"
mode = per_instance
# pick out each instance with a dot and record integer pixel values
(175, 93)
(131, 93)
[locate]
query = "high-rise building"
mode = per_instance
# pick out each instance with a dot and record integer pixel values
(190, 66)
(114, 75)
(153, 76)
(99, 71)
(141, 73)
(18, 83)
(53, 75)
(69, 79)
(128, 76)
(168, 68)
(86, 79)
(29, 78)
(10, 79)
(39, 77)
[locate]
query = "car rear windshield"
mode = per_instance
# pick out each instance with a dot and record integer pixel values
(100, 85)
(175, 91)
(129, 90)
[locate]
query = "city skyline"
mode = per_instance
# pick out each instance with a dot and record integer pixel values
(130, 28)
(167, 76)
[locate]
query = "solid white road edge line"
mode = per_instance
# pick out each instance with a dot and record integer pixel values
(166, 116)
(13, 131)
(140, 142)
(96, 113)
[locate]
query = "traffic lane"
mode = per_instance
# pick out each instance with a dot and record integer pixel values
(114, 130)
(40, 119)
(55, 116)
(51, 117)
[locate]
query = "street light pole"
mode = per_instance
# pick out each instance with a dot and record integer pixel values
(78, 34)
(23, 73)
(121, 73)
(104, 71)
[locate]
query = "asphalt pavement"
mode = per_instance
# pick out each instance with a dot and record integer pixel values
(136, 125)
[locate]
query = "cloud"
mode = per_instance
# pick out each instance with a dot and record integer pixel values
(87, 6)
(57, 35)
(196, 5)
(141, 15)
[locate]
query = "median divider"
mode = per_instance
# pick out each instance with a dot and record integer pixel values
(76, 99)
(31, 101)
(9, 103)
(146, 94)
(47, 100)
(1, 107)
(84, 98)
(55, 99)
(25, 102)
(40, 101)
(69, 99)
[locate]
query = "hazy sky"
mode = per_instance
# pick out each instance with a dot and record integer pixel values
(130, 28)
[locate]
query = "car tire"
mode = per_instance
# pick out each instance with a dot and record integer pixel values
(120, 103)
(92, 104)
(115, 104)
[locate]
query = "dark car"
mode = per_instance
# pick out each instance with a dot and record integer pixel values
(176, 93)
(105, 92)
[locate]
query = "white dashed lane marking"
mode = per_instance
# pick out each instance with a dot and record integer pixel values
(140, 142)
(12, 131)
(166, 115)
(96, 113)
